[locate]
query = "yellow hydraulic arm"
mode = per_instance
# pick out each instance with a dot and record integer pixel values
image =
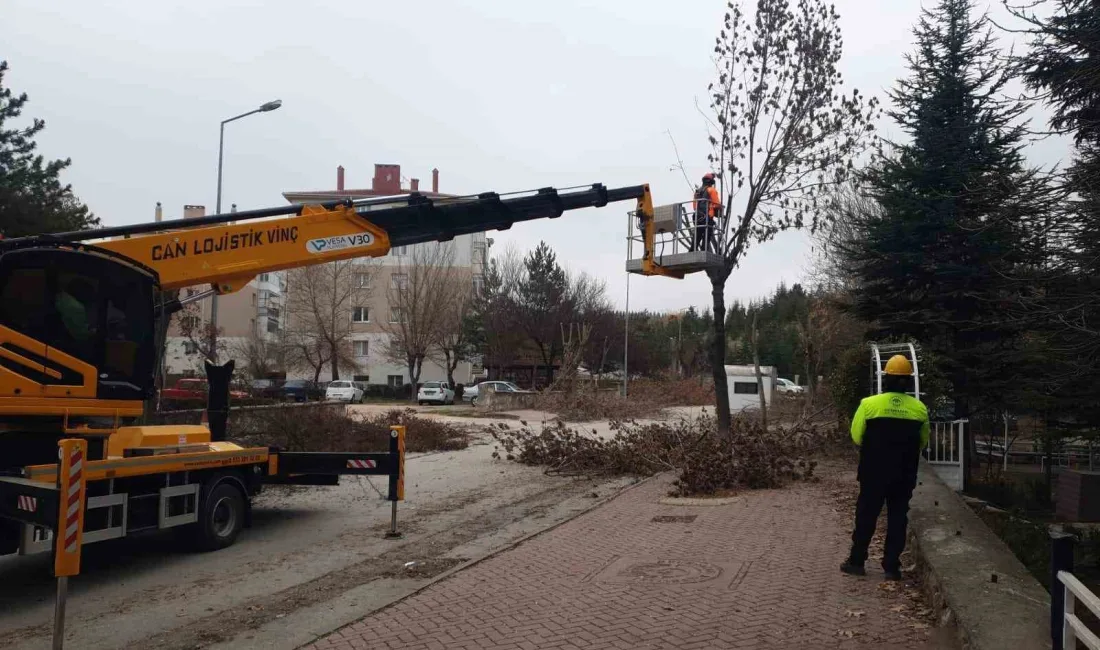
(228, 250)
(228, 256)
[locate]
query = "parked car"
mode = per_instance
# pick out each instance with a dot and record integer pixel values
(437, 392)
(788, 387)
(472, 392)
(301, 390)
(274, 391)
(193, 389)
(345, 391)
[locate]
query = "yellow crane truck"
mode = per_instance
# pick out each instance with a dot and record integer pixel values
(79, 313)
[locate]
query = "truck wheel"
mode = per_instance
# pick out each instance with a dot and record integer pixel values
(221, 518)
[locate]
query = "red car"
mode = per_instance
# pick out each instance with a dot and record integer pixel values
(193, 389)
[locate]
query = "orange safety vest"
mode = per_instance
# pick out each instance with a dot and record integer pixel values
(709, 194)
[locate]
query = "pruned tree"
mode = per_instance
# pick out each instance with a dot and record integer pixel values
(782, 131)
(33, 200)
(419, 305)
(257, 356)
(203, 341)
(454, 341)
(319, 305)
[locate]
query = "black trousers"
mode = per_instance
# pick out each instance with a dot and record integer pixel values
(704, 236)
(895, 494)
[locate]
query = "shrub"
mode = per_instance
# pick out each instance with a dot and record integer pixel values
(750, 458)
(327, 427)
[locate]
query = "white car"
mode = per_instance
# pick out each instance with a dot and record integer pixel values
(344, 391)
(788, 387)
(472, 393)
(436, 392)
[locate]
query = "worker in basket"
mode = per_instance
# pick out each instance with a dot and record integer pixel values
(706, 205)
(891, 429)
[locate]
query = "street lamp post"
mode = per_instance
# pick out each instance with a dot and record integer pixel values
(264, 108)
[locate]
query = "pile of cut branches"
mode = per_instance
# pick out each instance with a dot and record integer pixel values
(750, 458)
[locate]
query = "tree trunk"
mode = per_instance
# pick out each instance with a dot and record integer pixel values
(452, 362)
(410, 365)
(808, 401)
(718, 355)
(335, 362)
(759, 376)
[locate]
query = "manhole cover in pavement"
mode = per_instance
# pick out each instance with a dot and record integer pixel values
(674, 519)
(668, 572)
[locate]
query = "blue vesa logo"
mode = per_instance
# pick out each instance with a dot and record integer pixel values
(339, 242)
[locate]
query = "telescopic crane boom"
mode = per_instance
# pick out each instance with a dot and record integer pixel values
(78, 353)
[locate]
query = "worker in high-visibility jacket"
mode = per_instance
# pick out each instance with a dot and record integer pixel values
(891, 429)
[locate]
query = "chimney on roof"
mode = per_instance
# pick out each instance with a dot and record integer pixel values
(340, 178)
(233, 208)
(158, 214)
(414, 184)
(192, 211)
(435, 180)
(387, 180)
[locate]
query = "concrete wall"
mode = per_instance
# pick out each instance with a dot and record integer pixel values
(973, 579)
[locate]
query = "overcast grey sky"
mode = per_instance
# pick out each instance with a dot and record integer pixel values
(498, 95)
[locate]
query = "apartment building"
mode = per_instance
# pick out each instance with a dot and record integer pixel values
(256, 312)
(378, 276)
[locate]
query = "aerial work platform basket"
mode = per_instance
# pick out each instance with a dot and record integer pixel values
(671, 243)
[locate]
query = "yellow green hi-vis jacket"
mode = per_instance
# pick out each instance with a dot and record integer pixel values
(891, 429)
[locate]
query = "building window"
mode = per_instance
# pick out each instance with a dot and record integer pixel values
(189, 322)
(360, 315)
(478, 252)
(397, 381)
(479, 283)
(400, 251)
(263, 277)
(396, 315)
(399, 281)
(361, 348)
(362, 280)
(272, 326)
(190, 347)
(745, 388)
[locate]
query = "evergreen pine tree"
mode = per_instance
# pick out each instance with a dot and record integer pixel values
(955, 198)
(32, 198)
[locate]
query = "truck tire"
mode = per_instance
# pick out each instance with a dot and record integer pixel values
(221, 517)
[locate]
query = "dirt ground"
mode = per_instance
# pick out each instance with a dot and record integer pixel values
(313, 560)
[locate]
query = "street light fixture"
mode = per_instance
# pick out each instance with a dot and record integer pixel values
(264, 108)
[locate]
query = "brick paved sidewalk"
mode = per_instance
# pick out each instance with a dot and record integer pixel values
(758, 573)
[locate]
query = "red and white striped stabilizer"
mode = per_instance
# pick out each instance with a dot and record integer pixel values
(28, 504)
(72, 500)
(361, 464)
